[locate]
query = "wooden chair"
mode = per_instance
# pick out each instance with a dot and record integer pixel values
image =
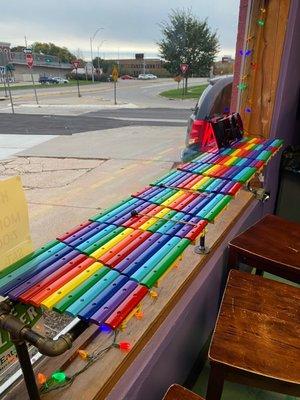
(177, 392)
(256, 340)
(271, 245)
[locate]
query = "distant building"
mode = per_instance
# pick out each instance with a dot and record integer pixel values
(227, 59)
(44, 65)
(140, 65)
(224, 67)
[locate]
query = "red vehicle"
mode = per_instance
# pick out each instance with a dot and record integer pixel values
(127, 77)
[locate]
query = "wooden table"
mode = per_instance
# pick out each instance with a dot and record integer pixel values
(177, 392)
(272, 245)
(256, 340)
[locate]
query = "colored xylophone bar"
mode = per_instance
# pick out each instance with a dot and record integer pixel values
(100, 270)
(255, 148)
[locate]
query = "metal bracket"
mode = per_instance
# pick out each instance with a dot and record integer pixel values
(259, 193)
(202, 249)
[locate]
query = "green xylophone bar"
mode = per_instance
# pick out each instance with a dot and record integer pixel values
(80, 290)
(162, 266)
(90, 245)
(212, 214)
(88, 297)
(28, 258)
(245, 174)
(114, 209)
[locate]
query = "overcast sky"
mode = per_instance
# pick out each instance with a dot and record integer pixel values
(129, 26)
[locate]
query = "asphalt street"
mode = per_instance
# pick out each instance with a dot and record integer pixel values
(24, 124)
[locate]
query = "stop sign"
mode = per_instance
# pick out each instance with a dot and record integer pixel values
(29, 60)
(184, 68)
(76, 63)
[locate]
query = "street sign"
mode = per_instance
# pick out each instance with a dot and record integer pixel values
(184, 68)
(115, 73)
(177, 78)
(76, 64)
(29, 60)
(2, 69)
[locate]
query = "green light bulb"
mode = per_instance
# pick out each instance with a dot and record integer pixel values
(242, 86)
(59, 376)
(261, 22)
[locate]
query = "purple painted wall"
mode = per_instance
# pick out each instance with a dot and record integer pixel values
(173, 349)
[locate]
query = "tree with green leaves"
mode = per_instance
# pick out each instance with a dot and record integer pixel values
(51, 49)
(188, 40)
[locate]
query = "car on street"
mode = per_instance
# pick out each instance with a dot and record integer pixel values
(47, 80)
(147, 76)
(126, 77)
(215, 100)
(60, 80)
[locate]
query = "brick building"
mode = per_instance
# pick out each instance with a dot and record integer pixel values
(141, 65)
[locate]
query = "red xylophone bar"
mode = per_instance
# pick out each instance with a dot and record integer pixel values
(125, 308)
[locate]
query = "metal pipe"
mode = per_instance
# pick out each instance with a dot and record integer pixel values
(29, 378)
(46, 346)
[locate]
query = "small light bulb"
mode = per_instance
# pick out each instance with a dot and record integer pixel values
(139, 315)
(153, 294)
(126, 346)
(83, 354)
(41, 378)
(261, 22)
(59, 376)
(105, 328)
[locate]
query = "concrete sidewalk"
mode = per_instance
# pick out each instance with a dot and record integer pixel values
(127, 143)
(12, 144)
(70, 178)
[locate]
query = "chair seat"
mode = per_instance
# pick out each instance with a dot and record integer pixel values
(258, 330)
(177, 392)
(272, 245)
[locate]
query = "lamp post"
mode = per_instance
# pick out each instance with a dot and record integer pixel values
(98, 57)
(91, 43)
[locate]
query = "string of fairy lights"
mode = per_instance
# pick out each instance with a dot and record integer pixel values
(60, 379)
(250, 53)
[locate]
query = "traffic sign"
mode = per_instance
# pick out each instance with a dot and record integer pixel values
(115, 73)
(184, 68)
(29, 60)
(177, 78)
(2, 69)
(76, 64)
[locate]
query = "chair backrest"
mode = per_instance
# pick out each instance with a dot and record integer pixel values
(15, 240)
(177, 392)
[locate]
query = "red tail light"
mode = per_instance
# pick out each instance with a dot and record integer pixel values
(196, 131)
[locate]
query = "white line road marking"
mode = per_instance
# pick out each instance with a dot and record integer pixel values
(148, 119)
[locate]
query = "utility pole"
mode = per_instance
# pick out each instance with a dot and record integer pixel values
(91, 44)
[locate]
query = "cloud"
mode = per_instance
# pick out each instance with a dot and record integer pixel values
(129, 27)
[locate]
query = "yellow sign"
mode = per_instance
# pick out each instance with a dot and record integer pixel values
(15, 240)
(115, 73)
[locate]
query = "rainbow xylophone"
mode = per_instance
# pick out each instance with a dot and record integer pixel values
(101, 270)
